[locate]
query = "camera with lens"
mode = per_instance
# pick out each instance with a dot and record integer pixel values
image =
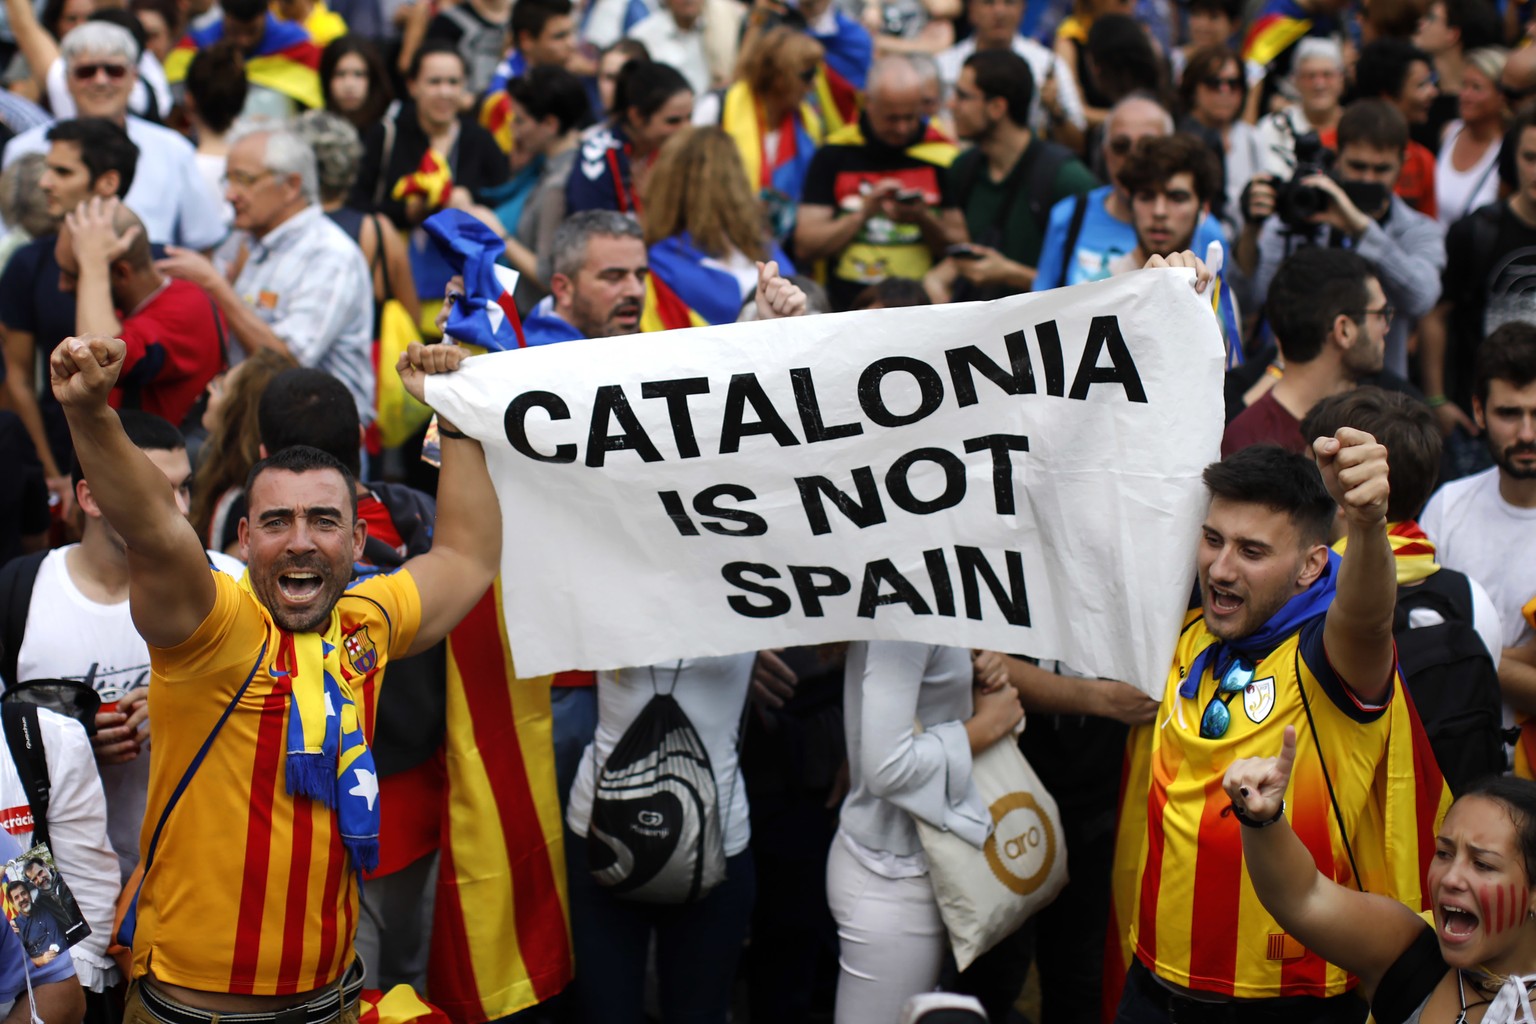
(1298, 205)
(1295, 203)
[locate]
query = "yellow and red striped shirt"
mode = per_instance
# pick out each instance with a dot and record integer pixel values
(1195, 920)
(251, 891)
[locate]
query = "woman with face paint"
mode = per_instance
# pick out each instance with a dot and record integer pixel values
(1471, 961)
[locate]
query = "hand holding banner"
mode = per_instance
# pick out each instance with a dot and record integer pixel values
(1021, 475)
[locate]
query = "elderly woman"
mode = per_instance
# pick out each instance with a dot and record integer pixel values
(1318, 78)
(338, 151)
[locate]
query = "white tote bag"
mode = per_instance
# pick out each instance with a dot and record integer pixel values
(985, 895)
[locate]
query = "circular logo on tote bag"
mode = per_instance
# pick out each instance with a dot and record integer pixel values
(1022, 846)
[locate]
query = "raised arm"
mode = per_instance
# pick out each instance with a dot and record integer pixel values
(1361, 932)
(1358, 631)
(466, 543)
(170, 589)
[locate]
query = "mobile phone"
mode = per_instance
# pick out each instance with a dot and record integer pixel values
(910, 195)
(962, 252)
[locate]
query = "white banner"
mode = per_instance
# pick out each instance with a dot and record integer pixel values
(1021, 475)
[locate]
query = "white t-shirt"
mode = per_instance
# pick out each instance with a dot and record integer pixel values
(711, 692)
(1477, 532)
(69, 636)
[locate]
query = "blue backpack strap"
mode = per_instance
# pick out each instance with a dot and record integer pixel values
(130, 919)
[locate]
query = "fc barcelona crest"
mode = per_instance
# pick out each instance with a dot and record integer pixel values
(361, 653)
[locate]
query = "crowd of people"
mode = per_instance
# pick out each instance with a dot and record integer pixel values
(215, 276)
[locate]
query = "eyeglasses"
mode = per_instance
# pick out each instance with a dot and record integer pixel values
(1121, 145)
(1218, 82)
(86, 72)
(1217, 717)
(239, 179)
(1387, 311)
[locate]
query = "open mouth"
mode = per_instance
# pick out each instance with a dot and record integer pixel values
(299, 586)
(1456, 922)
(1224, 602)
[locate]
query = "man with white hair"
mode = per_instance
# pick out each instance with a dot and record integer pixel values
(168, 193)
(304, 289)
(1087, 233)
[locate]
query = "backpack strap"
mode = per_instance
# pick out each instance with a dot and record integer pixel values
(130, 919)
(23, 734)
(16, 582)
(1040, 184)
(1074, 229)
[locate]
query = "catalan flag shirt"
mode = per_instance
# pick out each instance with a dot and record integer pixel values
(251, 891)
(1196, 921)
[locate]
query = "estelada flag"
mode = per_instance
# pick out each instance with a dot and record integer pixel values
(400, 1005)
(1278, 26)
(687, 288)
(496, 108)
(486, 315)
(500, 941)
(285, 61)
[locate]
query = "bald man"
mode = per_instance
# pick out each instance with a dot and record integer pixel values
(876, 200)
(1102, 218)
(175, 334)
(1518, 80)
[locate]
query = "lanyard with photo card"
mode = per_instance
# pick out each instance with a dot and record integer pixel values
(36, 899)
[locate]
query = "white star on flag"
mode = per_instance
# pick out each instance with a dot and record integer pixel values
(507, 278)
(367, 786)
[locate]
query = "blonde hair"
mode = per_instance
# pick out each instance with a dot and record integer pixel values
(699, 185)
(1490, 61)
(772, 61)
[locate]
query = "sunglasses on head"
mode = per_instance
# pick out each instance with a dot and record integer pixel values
(1217, 717)
(86, 72)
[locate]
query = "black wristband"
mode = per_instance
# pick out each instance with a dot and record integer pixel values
(457, 435)
(1247, 822)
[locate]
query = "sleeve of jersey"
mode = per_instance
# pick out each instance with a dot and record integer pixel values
(397, 604)
(231, 634)
(1315, 657)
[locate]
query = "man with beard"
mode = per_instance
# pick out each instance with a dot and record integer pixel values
(1170, 180)
(1330, 319)
(597, 288)
(1288, 635)
(264, 690)
(1485, 525)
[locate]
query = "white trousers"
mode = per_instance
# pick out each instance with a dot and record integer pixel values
(891, 939)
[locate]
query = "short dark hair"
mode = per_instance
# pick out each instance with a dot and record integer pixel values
(147, 432)
(893, 291)
(1312, 287)
(216, 82)
(303, 458)
(1124, 59)
(1374, 123)
(1230, 9)
(1382, 69)
(306, 406)
(14, 883)
(1268, 475)
(1478, 22)
(1403, 424)
(1003, 74)
(1156, 159)
(432, 48)
(551, 91)
(1508, 354)
(646, 86)
(103, 147)
(530, 16)
(31, 861)
(244, 10)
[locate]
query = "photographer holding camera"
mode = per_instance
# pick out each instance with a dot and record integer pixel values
(1354, 208)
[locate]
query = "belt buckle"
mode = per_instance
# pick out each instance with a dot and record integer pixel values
(292, 1015)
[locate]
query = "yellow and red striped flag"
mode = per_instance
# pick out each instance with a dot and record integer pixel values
(500, 941)
(432, 180)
